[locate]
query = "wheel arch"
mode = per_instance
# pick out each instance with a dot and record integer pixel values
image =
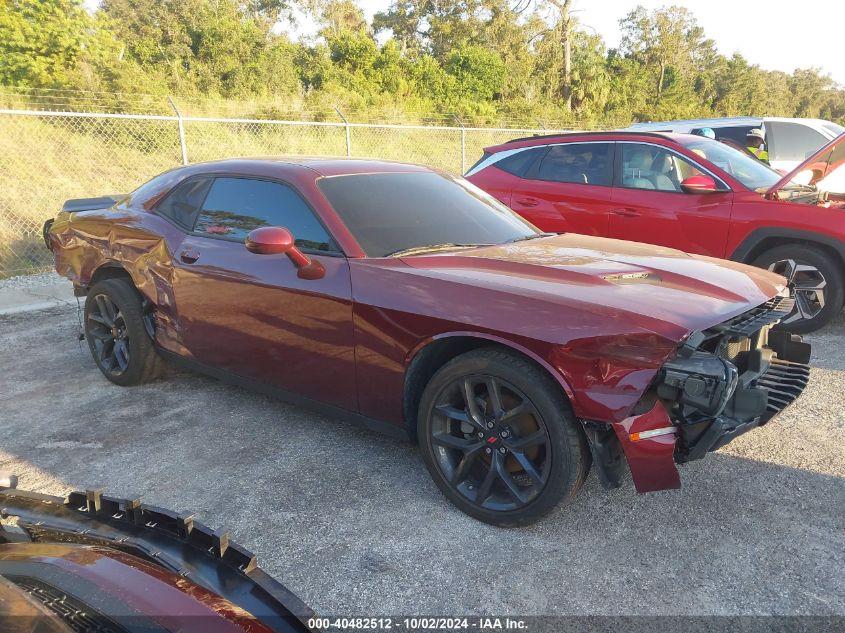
(761, 240)
(426, 358)
(109, 270)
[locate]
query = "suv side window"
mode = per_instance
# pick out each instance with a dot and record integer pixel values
(517, 164)
(182, 204)
(582, 163)
(735, 133)
(235, 206)
(792, 141)
(649, 167)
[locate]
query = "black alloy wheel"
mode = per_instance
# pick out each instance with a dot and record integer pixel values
(491, 443)
(498, 437)
(107, 332)
(120, 333)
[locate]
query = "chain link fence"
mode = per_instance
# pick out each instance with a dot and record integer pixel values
(48, 157)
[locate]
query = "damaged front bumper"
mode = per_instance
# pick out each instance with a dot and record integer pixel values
(724, 381)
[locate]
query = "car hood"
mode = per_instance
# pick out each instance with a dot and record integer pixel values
(671, 291)
(825, 161)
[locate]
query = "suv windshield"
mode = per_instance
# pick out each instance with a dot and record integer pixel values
(749, 171)
(392, 212)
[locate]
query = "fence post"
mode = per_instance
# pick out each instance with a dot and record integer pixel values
(463, 144)
(543, 127)
(346, 125)
(181, 131)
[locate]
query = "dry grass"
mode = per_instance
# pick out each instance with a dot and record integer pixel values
(45, 160)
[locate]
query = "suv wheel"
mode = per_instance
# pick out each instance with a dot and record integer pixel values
(818, 285)
(499, 438)
(117, 335)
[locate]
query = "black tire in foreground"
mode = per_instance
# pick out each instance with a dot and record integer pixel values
(818, 285)
(116, 335)
(499, 438)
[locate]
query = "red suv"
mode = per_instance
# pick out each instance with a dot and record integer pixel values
(689, 193)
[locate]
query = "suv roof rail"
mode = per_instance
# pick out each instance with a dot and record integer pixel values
(539, 137)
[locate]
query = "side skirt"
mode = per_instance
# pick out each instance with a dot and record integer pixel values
(371, 424)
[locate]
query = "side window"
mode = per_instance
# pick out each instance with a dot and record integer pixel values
(649, 167)
(792, 141)
(517, 164)
(583, 163)
(236, 206)
(735, 133)
(182, 204)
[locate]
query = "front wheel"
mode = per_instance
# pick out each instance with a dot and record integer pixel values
(117, 334)
(499, 438)
(818, 285)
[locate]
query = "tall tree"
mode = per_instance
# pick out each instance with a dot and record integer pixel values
(663, 39)
(42, 42)
(564, 26)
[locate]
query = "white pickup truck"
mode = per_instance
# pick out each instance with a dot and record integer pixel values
(788, 141)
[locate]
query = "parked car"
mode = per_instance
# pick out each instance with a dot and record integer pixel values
(686, 192)
(91, 563)
(789, 142)
(405, 299)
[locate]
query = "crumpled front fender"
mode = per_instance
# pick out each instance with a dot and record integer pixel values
(651, 458)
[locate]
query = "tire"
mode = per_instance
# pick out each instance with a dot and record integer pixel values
(117, 337)
(816, 267)
(534, 455)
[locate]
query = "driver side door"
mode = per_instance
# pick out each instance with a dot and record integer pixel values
(649, 205)
(252, 315)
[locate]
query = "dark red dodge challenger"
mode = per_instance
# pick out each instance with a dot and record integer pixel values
(406, 299)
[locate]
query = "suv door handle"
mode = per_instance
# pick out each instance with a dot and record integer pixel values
(527, 202)
(626, 213)
(189, 255)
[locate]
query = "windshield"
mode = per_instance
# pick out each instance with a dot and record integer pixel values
(749, 171)
(392, 212)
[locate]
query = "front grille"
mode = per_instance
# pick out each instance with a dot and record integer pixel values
(747, 323)
(77, 615)
(784, 380)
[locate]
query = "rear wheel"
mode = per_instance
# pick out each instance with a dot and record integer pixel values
(118, 338)
(818, 284)
(499, 438)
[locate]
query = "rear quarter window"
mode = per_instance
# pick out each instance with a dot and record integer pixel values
(517, 164)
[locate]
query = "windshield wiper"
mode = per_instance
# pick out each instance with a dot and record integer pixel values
(414, 250)
(533, 236)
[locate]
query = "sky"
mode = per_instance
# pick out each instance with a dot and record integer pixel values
(789, 34)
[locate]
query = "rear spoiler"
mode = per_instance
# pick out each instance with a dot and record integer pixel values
(75, 205)
(90, 204)
(166, 538)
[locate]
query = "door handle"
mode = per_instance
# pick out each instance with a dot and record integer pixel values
(189, 256)
(626, 213)
(527, 202)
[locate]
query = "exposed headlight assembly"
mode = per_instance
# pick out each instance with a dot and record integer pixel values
(700, 384)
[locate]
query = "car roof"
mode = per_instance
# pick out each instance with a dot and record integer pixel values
(711, 122)
(565, 137)
(738, 121)
(324, 166)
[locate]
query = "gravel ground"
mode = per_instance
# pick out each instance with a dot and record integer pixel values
(26, 282)
(350, 521)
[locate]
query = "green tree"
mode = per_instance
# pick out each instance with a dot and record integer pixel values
(667, 38)
(43, 42)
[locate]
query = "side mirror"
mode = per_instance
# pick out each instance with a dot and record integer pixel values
(276, 240)
(699, 184)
